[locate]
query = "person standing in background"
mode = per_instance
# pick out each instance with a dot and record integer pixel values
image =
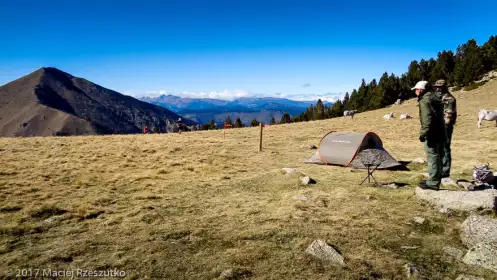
(450, 115)
(432, 133)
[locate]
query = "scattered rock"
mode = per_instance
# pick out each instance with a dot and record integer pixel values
(483, 255)
(454, 252)
(289, 170)
(419, 220)
(419, 161)
(392, 186)
(459, 200)
(303, 197)
(466, 185)
(478, 229)
(323, 251)
(411, 271)
(369, 197)
(307, 180)
(447, 182)
(409, 247)
(313, 147)
(468, 277)
(446, 211)
(237, 273)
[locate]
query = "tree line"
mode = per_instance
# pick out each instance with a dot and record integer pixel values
(459, 69)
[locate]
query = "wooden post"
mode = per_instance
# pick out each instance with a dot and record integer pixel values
(260, 137)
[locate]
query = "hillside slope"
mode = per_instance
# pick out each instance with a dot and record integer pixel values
(51, 102)
(192, 205)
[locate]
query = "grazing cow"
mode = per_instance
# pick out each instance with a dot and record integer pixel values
(488, 115)
(405, 116)
(388, 116)
(350, 113)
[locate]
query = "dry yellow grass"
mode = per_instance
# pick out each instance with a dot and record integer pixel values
(192, 205)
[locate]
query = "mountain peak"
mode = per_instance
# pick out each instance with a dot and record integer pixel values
(52, 71)
(49, 101)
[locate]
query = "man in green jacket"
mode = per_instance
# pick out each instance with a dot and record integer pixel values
(450, 115)
(432, 132)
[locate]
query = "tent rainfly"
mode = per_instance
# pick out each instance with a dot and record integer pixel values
(352, 149)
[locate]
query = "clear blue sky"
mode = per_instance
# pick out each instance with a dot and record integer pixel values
(300, 49)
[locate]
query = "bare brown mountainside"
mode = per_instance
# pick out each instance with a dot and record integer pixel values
(52, 102)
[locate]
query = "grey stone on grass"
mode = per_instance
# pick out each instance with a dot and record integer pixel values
(483, 255)
(306, 180)
(468, 277)
(392, 186)
(459, 200)
(236, 273)
(445, 211)
(303, 197)
(478, 229)
(321, 250)
(447, 182)
(419, 220)
(419, 161)
(454, 252)
(289, 170)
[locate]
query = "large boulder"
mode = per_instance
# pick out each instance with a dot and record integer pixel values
(483, 255)
(478, 229)
(459, 200)
(321, 250)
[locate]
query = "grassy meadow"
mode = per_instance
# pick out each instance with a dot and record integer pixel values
(191, 205)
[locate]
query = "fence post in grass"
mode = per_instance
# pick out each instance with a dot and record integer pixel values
(260, 137)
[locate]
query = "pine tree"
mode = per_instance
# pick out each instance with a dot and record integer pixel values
(337, 109)
(353, 101)
(273, 121)
(238, 123)
(303, 116)
(254, 122)
(469, 63)
(444, 67)
(212, 125)
(319, 110)
(413, 73)
(310, 113)
(346, 99)
(286, 118)
(489, 53)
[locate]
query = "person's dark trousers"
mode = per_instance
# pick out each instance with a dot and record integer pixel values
(447, 158)
(434, 154)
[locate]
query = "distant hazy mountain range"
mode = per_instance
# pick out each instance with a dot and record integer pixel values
(205, 110)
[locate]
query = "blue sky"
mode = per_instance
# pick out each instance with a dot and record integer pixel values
(209, 48)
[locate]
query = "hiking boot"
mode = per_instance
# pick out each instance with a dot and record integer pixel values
(425, 186)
